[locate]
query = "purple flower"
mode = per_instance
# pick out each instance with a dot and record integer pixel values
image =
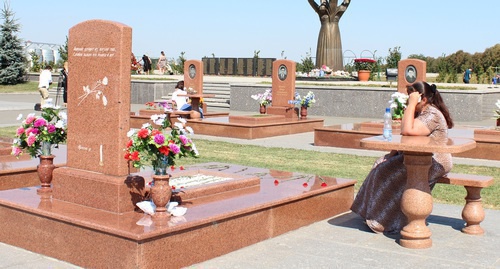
(39, 122)
(174, 148)
(51, 128)
(159, 139)
(183, 139)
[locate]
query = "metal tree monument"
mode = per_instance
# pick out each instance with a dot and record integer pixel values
(329, 48)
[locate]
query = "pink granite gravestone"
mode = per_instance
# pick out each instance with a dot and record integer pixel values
(98, 116)
(193, 75)
(283, 89)
(409, 71)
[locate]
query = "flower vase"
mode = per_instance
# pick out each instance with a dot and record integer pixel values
(262, 109)
(364, 75)
(303, 112)
(161, 192)
(46, 167)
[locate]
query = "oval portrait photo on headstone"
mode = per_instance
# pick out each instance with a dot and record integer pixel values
(192, 71)
(411, 73)
(282, 72)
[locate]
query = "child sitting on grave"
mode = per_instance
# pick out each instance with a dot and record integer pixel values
(180, 100)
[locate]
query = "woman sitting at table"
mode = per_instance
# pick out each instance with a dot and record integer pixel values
(379, 198)
(180, 99)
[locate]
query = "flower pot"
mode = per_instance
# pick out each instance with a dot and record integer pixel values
(44, 170)
(303, 112)
(262, 109)
(364, 75)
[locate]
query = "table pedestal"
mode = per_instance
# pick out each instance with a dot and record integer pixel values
(416, 202)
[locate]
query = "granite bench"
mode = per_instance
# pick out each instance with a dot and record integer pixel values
(473, 213)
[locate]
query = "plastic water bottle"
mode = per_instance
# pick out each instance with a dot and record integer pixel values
(388, 125)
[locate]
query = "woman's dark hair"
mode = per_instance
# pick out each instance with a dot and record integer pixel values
(433, 97)
(180, 85)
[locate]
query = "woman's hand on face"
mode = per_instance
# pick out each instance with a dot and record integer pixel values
(413, 99)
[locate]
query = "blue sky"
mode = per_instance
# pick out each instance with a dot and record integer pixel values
(236, 29)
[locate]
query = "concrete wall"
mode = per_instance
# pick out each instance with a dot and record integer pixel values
(369, 102)
(144, 91)
(336, 101)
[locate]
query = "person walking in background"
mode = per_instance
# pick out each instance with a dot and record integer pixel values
(378, 201)
(146, 64)
(467, 75)
(64, 83)
(162, 63)
(44, 82)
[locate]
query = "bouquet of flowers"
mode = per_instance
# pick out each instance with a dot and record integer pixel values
(305, 101)
(149, 146)
(50, 128)
(150, 105)
(398, 105)
(364, 64)
(265, 98)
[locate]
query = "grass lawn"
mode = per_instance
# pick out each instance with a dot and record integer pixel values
(325, 164)
(25, 87)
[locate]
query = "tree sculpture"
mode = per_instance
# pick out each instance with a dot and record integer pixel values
(329, 48)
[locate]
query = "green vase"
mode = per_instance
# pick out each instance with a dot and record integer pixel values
(46, 148)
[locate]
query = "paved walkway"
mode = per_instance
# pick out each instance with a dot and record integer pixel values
(339, 242)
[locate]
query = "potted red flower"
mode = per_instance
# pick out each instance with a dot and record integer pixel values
(364, 66)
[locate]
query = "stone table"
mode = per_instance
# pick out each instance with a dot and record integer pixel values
(416, 202)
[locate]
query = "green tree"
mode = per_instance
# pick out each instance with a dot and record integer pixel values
(63, 52)
(306, 64)
(35, 62)
(393, 58)
(12, 57)
(178, 66)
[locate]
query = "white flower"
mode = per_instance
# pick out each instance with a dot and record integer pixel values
(105, 81)
(498, 103)
(131, 132)
(19, 117)
(179, 125)
(59, 124)
(190, 130)
(63, 115)
(146, 125)
(158, 119)
(182, 120)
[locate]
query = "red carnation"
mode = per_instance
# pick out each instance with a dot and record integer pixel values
(135, 156)
(276, 182)
(304, 185)
(323, 184)
(143, 133)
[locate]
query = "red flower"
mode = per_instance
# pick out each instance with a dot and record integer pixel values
(164, 150)
(134, 156)
(130, 143)
(323, 184)
(182, 167)
(127, 156)
(173, 187)
(143, 133)
(304, 185)
(172, 167)
(155, 132)
(276, 182)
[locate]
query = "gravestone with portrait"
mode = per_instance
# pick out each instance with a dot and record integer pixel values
(409, 71)
(98, 117)
(283, 89)
(193, 75)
